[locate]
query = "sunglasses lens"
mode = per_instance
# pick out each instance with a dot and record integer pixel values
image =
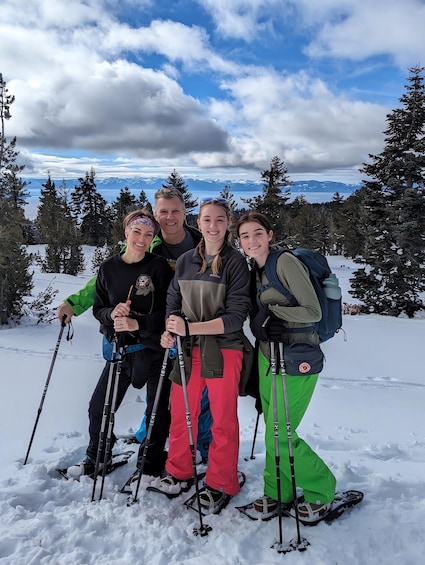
(213, 199)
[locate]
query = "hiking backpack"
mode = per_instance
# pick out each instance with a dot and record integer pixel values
(325, 284)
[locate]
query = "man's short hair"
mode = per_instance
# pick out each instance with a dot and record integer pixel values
(168, 194)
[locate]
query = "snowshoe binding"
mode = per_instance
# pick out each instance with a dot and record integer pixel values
(264, 508)
(342, 501)
(130, 485)
(170, 486)
(211, 501)
(87, 466)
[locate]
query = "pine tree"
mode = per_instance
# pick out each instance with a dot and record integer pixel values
(6, 100)
(92, 210)
(48, 209)
(272, 202)
(307, 225)
(143, 202)
(229, 197)
(63, 252)
(394, 257)
(231, 202)
(99, 255)
(73, 256)
(175, 180)
(15, 280)
(125, 203)
(49, 219)
(353, 236)
(337, 221)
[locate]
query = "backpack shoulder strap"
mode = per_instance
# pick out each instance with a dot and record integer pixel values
(270, 270)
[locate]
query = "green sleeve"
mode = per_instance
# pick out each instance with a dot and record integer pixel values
(83, 299)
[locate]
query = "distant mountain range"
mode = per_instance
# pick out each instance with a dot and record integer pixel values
(198, 185)
(313, 190)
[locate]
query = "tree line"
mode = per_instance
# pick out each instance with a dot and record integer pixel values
(381, 225)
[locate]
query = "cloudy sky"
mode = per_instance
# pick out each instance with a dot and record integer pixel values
(212, 88)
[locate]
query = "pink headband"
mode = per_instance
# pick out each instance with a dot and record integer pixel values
(144, 220)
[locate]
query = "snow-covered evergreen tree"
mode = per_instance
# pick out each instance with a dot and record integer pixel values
(392, 278)
(15, 279)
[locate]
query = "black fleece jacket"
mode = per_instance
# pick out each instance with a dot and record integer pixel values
(150, 278)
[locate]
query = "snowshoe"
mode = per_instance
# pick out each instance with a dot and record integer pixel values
(126, 488)
(87, 467)
(342, 501)
(170, 486)
(264, 508)
(211, 501)
(129, 486)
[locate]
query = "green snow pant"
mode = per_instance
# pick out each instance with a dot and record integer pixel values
(311, 473)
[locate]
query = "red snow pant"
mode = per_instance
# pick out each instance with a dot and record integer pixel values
(224, 449)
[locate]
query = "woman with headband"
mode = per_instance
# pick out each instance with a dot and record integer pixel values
(129, 303)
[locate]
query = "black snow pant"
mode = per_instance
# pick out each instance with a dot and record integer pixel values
(138, 368)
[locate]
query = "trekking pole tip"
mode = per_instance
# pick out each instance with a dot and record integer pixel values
(202, 531)
(292, 545)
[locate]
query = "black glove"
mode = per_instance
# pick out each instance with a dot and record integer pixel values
(266, 327)
(259, 324)
(275, 329)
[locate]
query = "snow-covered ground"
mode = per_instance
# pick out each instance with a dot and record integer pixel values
(366, 420)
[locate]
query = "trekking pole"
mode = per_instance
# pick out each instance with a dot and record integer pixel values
(278, 544)
(203, 529)
(106, 414)
(111, 421)
(151, 422)
(301, 543)
(252, 456)
(46, 386)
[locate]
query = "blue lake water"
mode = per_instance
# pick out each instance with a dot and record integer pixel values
(313, 191)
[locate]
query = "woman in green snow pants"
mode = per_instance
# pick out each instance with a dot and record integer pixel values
(274, 319)
(311, 472)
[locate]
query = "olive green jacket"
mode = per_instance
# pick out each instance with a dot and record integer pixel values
(294, 276)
